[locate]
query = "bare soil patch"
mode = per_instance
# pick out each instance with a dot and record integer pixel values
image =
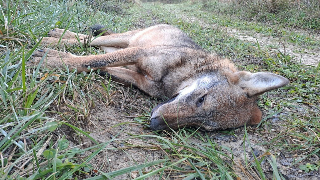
(125, 151)
(299, 54)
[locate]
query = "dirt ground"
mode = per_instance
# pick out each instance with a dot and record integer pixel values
(299, 54)
(115, 123)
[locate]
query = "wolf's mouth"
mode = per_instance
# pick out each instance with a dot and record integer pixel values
(157, 122)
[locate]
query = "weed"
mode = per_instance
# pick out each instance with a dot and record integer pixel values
(309, 167)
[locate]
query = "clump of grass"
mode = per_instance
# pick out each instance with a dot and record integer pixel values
(29, 145)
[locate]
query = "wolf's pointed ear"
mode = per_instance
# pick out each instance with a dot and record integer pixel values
(258, 83)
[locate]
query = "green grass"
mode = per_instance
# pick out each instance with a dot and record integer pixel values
(36, 103)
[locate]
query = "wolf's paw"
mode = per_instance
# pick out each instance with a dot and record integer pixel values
(52, 53)
(98, 29)
(52, 41)
(57, 33)
(52, 58)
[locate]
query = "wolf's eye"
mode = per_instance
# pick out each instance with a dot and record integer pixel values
(200, 100)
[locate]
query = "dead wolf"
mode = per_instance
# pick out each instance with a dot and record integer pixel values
(204, 89)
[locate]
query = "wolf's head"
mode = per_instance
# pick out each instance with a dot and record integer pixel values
(216, 101)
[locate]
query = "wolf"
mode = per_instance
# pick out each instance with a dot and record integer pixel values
(204, 90)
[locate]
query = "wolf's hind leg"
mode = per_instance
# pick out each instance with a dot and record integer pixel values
(57, 33)
(51, 41)
(64, 37)
(118, 40)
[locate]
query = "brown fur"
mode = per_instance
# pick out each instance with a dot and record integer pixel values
(161, 60)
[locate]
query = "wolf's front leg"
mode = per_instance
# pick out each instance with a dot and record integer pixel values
(53, 58)
(141, 81)
(64, 37)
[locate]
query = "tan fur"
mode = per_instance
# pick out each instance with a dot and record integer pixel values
(161, 60)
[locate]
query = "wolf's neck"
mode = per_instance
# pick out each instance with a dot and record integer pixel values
(213, 63)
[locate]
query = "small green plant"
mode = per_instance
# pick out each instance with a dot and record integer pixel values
(309, 167)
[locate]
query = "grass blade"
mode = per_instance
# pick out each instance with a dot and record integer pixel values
(160, 169)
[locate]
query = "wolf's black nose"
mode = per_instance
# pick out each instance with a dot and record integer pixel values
(157, 124)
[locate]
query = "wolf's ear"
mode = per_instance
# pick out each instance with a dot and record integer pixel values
(258, 83)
